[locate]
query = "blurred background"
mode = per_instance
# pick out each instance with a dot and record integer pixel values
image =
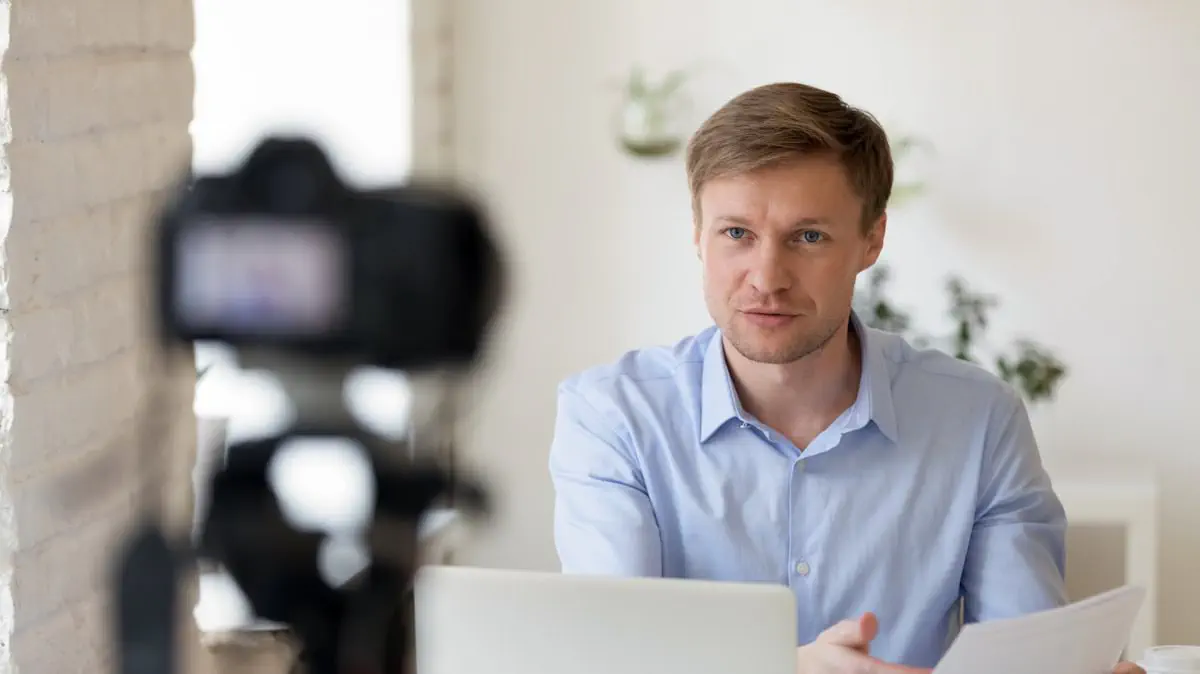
(1047, 150)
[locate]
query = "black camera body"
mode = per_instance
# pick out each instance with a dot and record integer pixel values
(281, 254)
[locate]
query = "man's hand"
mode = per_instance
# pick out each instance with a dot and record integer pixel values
(1128, 668)
(845, 648)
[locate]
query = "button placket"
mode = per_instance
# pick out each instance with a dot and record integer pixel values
(800, 566)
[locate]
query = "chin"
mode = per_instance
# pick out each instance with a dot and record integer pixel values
(767, 355)
(774, 346)
(761, 346)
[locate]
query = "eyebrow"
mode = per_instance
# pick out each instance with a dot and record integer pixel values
(802, 222)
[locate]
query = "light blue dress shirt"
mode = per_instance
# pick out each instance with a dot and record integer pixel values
(928, 489)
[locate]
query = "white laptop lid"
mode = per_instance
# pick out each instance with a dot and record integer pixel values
(488, 621)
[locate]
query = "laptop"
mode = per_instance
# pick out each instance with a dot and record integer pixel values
(490, 621)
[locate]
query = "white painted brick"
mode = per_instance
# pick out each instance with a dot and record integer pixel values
(74, 95)
(71, 640)
(62, 27)
(58, 418)
(105, 242)
(83, 328)
(167, 24)
(99, 99)
(62, 498)
(68, 567)
(44, 339)
(432, 49)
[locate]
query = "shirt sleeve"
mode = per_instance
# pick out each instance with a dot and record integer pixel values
(1015, 560)
(604, 523)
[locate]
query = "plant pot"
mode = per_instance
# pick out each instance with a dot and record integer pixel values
(650, 127)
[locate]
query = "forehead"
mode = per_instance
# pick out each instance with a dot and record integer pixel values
(814, 188)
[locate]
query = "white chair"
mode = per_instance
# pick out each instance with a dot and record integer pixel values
(1104, 495)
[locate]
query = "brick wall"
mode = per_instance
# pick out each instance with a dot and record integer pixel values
(433, 122)
(96, 113)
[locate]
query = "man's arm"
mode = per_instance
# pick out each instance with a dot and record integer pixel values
(1016, 557)
(603, 521)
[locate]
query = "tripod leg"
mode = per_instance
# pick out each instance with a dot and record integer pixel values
(147, 595)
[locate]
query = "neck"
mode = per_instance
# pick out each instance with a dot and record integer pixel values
(802, 398)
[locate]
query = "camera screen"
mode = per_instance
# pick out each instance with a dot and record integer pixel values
(245, 277)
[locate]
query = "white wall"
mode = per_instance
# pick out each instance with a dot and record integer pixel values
(293, 65)
(1063, 180)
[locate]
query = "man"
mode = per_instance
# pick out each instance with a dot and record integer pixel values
(790, 443)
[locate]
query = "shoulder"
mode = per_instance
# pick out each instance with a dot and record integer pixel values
(641, 379)
(934, 378)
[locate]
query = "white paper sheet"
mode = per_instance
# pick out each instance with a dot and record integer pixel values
(1086, 637)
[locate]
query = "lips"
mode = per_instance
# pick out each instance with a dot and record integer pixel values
(768, 319)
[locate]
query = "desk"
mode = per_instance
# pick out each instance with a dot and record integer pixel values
(1126, 496)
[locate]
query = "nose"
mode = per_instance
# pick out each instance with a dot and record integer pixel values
(768, 272)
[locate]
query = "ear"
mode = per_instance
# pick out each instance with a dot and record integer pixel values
(874, 239)
(696, 239)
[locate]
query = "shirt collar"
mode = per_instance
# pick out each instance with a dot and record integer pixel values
(718, 399)
(719, 402)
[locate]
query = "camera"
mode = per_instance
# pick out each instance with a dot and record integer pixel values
(309, 278)
(282, 255)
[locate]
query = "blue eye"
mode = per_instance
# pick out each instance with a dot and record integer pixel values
(735, 232)
(812, 236)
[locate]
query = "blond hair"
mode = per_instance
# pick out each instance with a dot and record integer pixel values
(777, 123)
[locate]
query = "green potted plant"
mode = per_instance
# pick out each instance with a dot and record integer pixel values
(1030, 367)
(650, 119)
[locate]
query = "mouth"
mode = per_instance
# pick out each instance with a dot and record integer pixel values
(768, 319)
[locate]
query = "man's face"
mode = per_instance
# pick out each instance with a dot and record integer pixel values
(781, 248)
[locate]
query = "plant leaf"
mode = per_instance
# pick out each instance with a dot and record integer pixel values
(671, 83)
(637, 82)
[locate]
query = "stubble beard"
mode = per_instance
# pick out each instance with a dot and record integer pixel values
(802, 346)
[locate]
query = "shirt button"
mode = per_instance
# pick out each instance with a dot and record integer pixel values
(802, 568)
(800, 466)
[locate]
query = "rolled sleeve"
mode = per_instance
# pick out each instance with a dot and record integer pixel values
(1016, 556)
(604, 523)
